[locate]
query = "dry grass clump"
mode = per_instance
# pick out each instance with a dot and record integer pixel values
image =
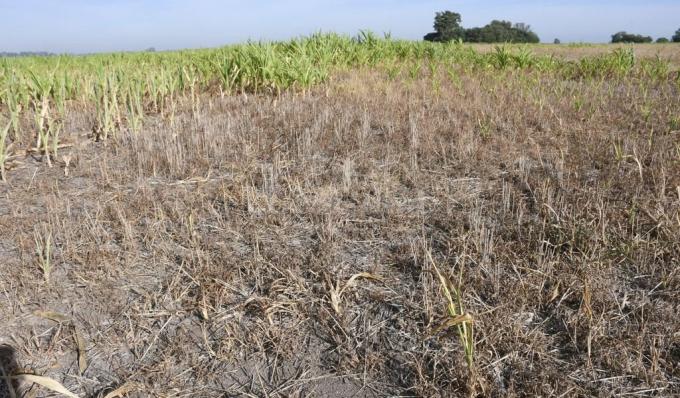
(345, 241)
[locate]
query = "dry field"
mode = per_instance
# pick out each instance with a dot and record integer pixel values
(668, 52)
(489, 232)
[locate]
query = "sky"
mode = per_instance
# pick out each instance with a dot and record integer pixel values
(84, 26)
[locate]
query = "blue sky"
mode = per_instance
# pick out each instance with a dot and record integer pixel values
(112, 25)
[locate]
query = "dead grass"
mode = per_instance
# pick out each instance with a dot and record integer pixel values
(276, 246)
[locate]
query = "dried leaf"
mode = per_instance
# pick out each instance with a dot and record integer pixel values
(52, 316)
(335, 296)
(555, 292)
(365, 275)
(465, 318)
(80, 342)
(124, 389)
(204, 309)
(336, 292)
(46, 382)
(587, 309)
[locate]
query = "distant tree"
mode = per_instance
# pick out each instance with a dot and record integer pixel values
(521, 26)
(501, 32)
(625, 37)
(676, 37)
(447, 27)
(432, 36)
(557, 41)
(26, 54)
(662, 40)
(526, 37)
(497, 32)
(524, 34)
(151, 50)
(447, 24)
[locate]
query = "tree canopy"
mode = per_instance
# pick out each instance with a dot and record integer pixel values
(447, 26)
(501, 32)
(625, 37)
(676, 37)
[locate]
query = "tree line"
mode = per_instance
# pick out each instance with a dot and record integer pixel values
(25, 54)
(447, 27)
(625, 37)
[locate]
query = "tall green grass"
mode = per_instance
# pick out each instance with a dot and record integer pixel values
(123, 88)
